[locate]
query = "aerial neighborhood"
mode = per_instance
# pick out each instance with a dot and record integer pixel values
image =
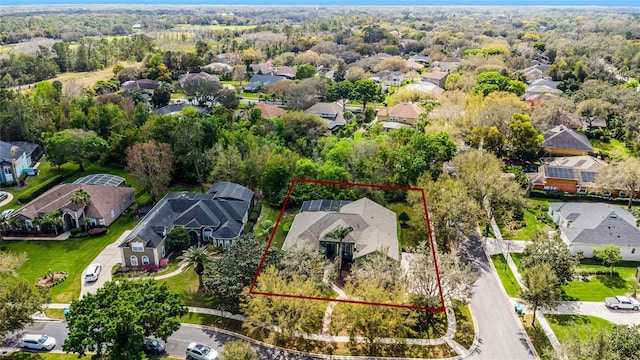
(304, 182)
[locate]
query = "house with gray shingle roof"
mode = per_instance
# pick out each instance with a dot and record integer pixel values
(562, 140)
(217, 217)
(374, 230)
(586, 226)
(25, 153)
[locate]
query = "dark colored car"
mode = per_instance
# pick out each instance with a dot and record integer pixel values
(153, 346)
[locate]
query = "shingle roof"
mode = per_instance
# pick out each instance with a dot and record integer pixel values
(201, 76)
(436, 75)
(103, 200)
(402, 110)
(563, 137)
(263, 80)
(270, 111)
(374, 228)
(223, 210)
(23, 147)
(598, 224)
(142, 84)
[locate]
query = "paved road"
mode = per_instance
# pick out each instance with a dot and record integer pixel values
(176, 344)
(500, 334)
(108, 258)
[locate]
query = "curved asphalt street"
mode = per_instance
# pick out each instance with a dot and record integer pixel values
(501, 335)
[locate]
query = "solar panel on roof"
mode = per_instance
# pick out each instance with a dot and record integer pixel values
(323, 205)
(560, 172)
(589, 176)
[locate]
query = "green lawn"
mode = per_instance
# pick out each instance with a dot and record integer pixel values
(597, 287)
(406, 232)
(72, 255)
(565, 326)
(615, 148)
(186, 285)
(464, 325)
(271, 213)
(506, 276)
(537, 210)
(537, 336)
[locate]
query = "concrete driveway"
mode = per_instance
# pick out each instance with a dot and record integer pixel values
(597, 308)
(108, 258)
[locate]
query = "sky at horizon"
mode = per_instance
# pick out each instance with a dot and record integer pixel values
(510, 3)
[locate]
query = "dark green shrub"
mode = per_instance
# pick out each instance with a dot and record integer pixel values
(33, 193)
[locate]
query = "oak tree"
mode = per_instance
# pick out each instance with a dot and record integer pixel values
(151, 164)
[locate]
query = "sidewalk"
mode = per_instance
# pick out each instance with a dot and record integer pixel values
(542, 321)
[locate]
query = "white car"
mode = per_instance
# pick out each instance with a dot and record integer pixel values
(7, 213)
(199, 351)
(92, 272)
(37, 342)
(622, 302)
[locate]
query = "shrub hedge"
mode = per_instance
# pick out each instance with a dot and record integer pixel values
(578, 197)
(33, 193)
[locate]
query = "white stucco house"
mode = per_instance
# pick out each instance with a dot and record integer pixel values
(585, 226)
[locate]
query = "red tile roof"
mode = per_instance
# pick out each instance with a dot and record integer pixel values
(269, 111)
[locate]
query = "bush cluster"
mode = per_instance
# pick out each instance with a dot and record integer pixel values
(577, 197)
(57, 281)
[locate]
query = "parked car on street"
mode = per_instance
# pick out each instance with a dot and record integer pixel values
(197, 351)
(37, 342)
(153, 346)
(622, 302)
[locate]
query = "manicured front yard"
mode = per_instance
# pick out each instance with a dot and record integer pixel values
(71, 255)
(186, 285)
(597, 287)
(567, 326)
(507, 278)
(407, 234)
(464, 325)
(537, 336)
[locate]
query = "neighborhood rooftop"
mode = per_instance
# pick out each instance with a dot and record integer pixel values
(101, 179)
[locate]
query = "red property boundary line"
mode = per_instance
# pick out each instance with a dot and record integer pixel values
(345, 184)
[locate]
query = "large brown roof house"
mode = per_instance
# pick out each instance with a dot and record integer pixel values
(403, 114)
(374, 228)
(105, 205)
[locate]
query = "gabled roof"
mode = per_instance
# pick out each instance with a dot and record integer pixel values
(103, 200)
(269, 111)
(263, 80)
(413, 64)
(426, 87)
(598, 224)
(263, 69)
(218, 67)
(223, 210)
(419, 59)
(330, 112)
(374, 228)
(403, 110)
(23, 147)
(562, 137)
(142, 84)
(287, 71)
(201, 76)
(435, 75)
(176, 108)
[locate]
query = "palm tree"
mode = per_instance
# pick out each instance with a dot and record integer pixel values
(339, 233)
(196, 257)
(83, 198)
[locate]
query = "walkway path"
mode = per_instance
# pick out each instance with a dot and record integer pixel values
(544, 324)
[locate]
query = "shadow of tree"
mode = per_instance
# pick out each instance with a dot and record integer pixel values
(613, 282)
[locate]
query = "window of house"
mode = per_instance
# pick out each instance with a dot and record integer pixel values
(134, 260)
(622, 194)
(633, 251)
(145, 260)
(404, 120)
(393, 118)
(164, 252)
(137, 246)
(100, 221)
(113, 213)
(582, 191)
(7, 171)
(606, 193)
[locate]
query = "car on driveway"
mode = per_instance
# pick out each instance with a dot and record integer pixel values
(197, 351)
(37, 342)
(153, 346)
(7, 213)
(622, 302)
